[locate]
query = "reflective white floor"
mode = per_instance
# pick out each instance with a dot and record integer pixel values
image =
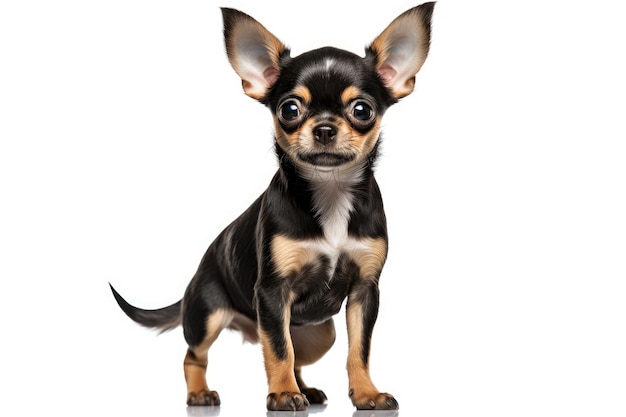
(314, 411)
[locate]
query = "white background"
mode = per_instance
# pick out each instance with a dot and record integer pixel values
(127, 145)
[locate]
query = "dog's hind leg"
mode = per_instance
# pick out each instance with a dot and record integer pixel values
(196, 360)
(310, 343)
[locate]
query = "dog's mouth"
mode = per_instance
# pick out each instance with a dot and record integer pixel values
(326, 159)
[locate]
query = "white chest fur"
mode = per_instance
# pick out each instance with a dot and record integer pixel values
(333, 202)
(333, 196)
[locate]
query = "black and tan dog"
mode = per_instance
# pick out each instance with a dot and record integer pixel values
(318, 234)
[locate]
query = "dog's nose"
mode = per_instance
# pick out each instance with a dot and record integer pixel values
(325, 134)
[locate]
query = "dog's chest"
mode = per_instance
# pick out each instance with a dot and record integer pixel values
(323, 268)
(318, 260)
(333, 201)
(332, 205)
(327, 269)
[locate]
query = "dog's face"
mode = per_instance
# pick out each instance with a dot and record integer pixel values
(327, 107)
(328, 103)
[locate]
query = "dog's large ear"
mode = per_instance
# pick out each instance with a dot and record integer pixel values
(253, 52)
(402, 47)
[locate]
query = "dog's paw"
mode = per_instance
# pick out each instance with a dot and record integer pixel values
(314, 395)
(203, 397)
(287, 401)
(377, 401)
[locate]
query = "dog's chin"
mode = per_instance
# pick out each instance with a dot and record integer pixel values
(326, 159)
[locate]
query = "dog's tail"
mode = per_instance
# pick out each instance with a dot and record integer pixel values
(163, 319)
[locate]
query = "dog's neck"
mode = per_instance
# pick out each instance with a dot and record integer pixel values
(333, 199)
(328, 192)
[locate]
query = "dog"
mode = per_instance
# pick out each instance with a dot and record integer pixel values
(317, 235)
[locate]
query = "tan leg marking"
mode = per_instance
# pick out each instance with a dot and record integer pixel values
(196, 362)
(358, 371)
(284, 394)
(280, 377)
(363, 393)
(370, 257)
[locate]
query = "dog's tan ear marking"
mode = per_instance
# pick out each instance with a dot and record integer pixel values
(402, 47)
(253, 52)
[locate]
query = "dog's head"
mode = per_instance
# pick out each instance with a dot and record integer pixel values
(328, 103)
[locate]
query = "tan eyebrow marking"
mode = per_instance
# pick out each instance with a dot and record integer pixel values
(349, 94)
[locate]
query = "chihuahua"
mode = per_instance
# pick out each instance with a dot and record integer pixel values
(317, 235)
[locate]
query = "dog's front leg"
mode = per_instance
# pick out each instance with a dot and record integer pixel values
(361, 314)
(274, 313)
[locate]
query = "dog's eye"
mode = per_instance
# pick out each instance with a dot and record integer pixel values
(361, 113)
(290, 111)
